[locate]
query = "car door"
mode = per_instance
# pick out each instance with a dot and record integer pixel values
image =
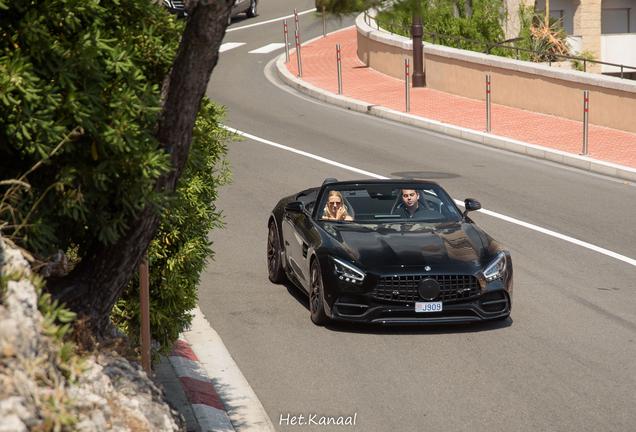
(297, 232)
(239, 6)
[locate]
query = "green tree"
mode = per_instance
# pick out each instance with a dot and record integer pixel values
(481, 22)
(69, 64)
(132, 79)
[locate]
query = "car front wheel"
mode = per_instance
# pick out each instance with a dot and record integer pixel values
(274, 261)
(317, 296)
(251, 12)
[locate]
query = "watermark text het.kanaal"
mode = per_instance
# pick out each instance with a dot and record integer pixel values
(315, 419)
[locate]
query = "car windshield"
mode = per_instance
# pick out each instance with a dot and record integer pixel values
(361, 204)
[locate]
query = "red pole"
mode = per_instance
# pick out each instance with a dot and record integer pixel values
(407, 79)
(488, 113)
(300, 66)
(286, 42)
(339, 68)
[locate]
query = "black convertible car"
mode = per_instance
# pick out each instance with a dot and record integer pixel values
(389, 252)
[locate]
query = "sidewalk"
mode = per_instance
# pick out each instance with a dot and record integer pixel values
(611, 152)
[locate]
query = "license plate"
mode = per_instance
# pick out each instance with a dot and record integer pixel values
(428, 306)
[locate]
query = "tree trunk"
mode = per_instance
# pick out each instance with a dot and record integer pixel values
(94, 286)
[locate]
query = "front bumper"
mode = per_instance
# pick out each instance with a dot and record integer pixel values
(492, 305)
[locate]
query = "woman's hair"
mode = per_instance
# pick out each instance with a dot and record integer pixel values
(339, 195)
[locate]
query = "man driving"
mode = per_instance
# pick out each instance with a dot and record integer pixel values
(410, 206)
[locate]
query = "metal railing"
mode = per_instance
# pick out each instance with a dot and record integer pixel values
(489, 46)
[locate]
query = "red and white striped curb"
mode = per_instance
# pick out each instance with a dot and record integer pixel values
(199, 389)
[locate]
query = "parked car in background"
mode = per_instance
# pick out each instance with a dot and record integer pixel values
(249, 7)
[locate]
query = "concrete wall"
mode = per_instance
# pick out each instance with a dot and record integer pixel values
(383, 51)
(517, 84)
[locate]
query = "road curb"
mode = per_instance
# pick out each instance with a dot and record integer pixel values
(480, 137)
(242, 407)
(207, 407)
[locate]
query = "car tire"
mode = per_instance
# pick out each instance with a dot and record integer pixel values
(317, 296)
(274, 259)
(251, 12)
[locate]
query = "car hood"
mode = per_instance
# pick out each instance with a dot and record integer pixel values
(392, 246)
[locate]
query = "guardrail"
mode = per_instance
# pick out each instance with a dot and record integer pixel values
(489, 45)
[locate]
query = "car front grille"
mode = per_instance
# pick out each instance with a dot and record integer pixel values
(405, 288)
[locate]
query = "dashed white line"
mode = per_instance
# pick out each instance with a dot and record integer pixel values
(572, 240)
(230, 45)
(267, 48)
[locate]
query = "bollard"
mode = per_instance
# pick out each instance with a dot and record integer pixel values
(324, 22)
(406, 77)
(586, 100)
(487, 103)
(286, 42)
(300, 67)
(339, 68)
(296, 18)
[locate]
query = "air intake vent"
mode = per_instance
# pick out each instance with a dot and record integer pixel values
(351, 305)
(493, 301)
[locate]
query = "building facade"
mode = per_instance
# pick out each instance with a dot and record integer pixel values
(606, 29)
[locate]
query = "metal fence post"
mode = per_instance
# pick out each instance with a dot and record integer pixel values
(286, 42)
(487, 103)
(339, 69)
(300, 67)
(324, 22)
(586, 101)
(406, 76)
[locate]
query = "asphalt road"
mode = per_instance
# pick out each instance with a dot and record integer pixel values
(564, 361)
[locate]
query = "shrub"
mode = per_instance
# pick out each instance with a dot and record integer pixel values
(93, 64)
(541, 36)
(451, 18)
(578, 64)
(181, 249)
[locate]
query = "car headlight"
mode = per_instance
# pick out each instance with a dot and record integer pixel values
(496, 269)
(346, 272)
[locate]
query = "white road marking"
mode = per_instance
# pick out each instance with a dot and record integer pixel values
(300, 152)
(230, 45)
(271, 21)
(572, 240)
(267, 48)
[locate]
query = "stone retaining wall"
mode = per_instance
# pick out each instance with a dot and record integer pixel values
(35, 393)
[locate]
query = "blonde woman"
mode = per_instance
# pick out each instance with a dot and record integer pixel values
(335, 209)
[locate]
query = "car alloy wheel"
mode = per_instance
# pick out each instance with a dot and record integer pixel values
(274, 261)
(251, 13)
(317, 296)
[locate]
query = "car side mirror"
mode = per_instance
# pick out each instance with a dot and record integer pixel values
(471, 205)
(294, 207)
